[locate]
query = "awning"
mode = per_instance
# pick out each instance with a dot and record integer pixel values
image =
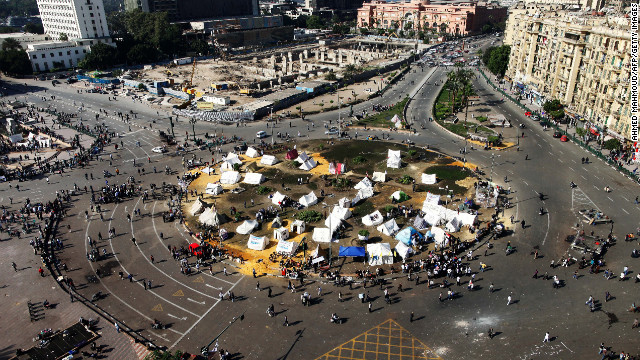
(352, 251)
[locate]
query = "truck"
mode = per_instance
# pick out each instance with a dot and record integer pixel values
(183, 61)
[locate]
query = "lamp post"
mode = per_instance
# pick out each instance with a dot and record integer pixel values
(193, 127)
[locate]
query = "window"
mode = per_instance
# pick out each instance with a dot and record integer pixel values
(69, 52)
(91, 14)
(44, 56)
(84, 51)
(51, 54)
(34, 57)
(76, 52)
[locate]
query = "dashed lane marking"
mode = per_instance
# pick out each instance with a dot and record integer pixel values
(625, 211)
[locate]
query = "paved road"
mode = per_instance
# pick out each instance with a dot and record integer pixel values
(453, 329)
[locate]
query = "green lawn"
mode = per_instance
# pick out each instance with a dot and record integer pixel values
(382, 119)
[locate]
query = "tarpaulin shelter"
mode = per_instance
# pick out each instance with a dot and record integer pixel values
(209, 217)
(257, 243)
(361, 195)
(379, 176)
(302, 157)
(403, 250)
(332, 222)
(230, 160)
(341, 213)
(197, 207)
(439, 237)
(298, 227)
(308, 200)
(268, 160)
(453, 225)
(277, 198)
(352, 251)
(246, 227)
(213, 189)
(337, 168)
(419, 223)
(429, 179)
(322, 235)
(230, 177)
(409, 236)
(389, 228)
(291, 154)
(432, 199)
(251, 152)
(287, 247)
(281, 233)
(308, 165)
(379, 254)
(375, 218)
(393, 159)
(395, 119)
(364, 183)
(253, 178)
(399, 196)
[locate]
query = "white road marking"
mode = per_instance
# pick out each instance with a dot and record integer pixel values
(608, 197)
(582, 176)
(525, 182)
(571, 168)
(595, 187)
(624, 197)
(211, 286)
(539, 145)
(197, 302)
(560, 160)
(547, 232)
(175, 317)
(625, 211)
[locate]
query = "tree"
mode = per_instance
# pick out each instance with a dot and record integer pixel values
(315, 22)
(63, 37)
(15, 62)
(102, 56)
(612, 144)
(11, 44)
(142, 53)
(497, 59)
(555, 109)
(34, 28)
(200, 47)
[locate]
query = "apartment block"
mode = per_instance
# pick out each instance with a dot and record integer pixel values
(576, 57)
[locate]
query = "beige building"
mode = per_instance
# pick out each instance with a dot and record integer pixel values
(580, 59)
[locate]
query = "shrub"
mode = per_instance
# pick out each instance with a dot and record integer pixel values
(309, 216)
(264, 190)
(388, 208)
(481, 118)
(341, 182)
(363, 232)
(359, 159)
(236, 167)
(581, 131)
(405, 179)
(412, 152)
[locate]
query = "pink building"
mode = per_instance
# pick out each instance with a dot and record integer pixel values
(455, 18)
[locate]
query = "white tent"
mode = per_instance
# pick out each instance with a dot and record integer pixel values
(364, 183)
(230, 177)
(466, 218)
(286, 247)
(341, 213)
(251, 152)
(373, 219)
(439, 237)
(432, 199)
(395, 119)
(246, 227)
(277, 198)
(361, 195)
(302, 157)
(276, 222)
(253, 178)
(453, 225)
(213, 189)
(308, 200)
(379, 254)
(429, 179)
(281, 233)
(403, 250)
(298, 227)
(268, 160)
(321, 235)
(389, 228)
(398, 195)
(419, 223)
(229, 161)
(197, 207)
(308, 165)
(208, 170)
(208, 217)
(257, 243)
(379, 176)
(332, 222)
(393, 159)
(344, 203)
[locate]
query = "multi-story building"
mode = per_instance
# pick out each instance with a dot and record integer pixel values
(77, 19)
(333, 4)
(82, 22)
(459, 18)
(575, 57)
(187, 10)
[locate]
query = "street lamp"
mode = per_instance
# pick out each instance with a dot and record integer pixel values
(193, 127)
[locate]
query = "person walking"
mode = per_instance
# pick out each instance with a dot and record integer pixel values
(319, 291)
(152, 259)
(269, 292)
(14, 266)
(224, 270)
(546, 337)
(144, 284)
(411, 317)
(370, 307)
(117, 327)
(286, 321)
(491, 288)
(509, 300)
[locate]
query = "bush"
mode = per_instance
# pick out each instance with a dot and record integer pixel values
(481, 118)
(236, 167)
(388, 208)
(341, 183)
(405, 179)
(412, 152)
(581, 131)
(494, 140)
(363, 232)
(359, 160)
(294, 164)
(611, 144)
(264, 190)
(309, 216)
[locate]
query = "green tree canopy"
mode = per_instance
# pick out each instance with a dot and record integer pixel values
(315, 22)
(497, 59)
(554, 108)
(11, 44)
(15, 62)
(612, 144)
(102, 56)
(34, 28)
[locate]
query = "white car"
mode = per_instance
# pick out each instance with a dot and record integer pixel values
(261, 134)
(159, 149)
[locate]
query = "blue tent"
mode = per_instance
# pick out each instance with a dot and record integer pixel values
(409, 236)
(352, 251)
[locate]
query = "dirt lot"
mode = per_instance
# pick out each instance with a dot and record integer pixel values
(362, 158)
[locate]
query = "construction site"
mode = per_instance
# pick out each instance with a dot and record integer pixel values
(271, 80)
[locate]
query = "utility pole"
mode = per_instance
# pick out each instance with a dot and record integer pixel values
(339, 127)
(171, 122)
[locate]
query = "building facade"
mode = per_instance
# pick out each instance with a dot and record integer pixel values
(77, 19)
(452, 18)
(578, 58)
(187, 10)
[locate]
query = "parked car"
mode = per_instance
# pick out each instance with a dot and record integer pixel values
(332, 131)
(261, 134)
(159, 149)
(564, 138)
(557, 134)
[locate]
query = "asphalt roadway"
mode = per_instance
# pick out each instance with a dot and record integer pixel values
(451, 329)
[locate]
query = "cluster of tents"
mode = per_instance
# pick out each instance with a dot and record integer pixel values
(307, 162)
